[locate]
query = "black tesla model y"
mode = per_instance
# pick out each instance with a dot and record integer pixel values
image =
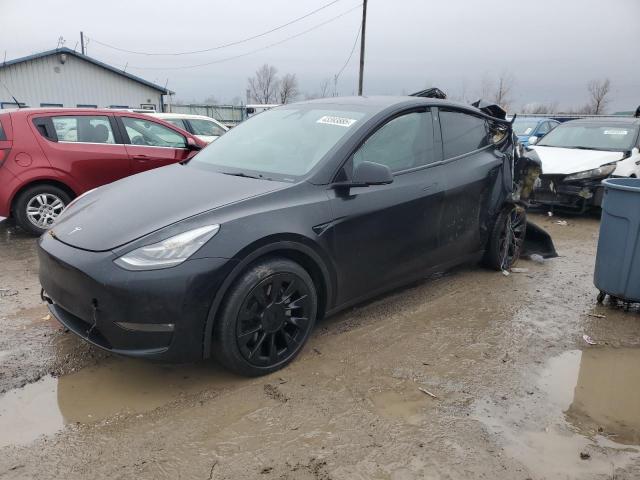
(293, 215)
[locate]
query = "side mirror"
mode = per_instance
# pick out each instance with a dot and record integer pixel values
(366, 174)
(193, 145)
(532, 140)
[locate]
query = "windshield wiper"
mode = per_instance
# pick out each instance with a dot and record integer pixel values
(245, 175)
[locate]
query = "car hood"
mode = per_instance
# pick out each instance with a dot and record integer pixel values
(563, 161)
(128, 209)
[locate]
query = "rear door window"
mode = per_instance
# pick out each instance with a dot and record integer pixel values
(462, 133)
(3, 136)
(83, 129)
(205, 127)
(151, 134)
(176, 121)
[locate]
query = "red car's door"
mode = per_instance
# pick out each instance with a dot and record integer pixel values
(151, 144)
(84, 146)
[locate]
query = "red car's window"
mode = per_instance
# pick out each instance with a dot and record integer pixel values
(83, 129)
(151, 134)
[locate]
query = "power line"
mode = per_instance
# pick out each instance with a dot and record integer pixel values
(221, 60)
(237, 42)
(353, 49)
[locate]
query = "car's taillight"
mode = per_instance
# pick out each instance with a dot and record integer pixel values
(4, 154)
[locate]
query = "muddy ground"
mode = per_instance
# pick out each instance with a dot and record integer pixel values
(518, 392)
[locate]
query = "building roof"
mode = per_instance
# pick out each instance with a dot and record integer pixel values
(98, 63)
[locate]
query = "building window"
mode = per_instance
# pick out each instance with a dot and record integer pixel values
(118, 106)
(148, 106)
(86, 105)
(51, 105)
(12, 105)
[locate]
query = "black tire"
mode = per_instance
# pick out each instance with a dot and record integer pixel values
(39, 223)
(506, 239)
(255, 332)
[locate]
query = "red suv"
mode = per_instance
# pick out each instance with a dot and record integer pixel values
(49, 156)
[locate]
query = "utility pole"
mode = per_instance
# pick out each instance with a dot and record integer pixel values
(82, 43)
(364, 24)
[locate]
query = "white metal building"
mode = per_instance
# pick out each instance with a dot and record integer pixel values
(66, 78)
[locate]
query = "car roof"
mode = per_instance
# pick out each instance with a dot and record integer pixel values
(630, 121)
(71, 111)
(375, 104)
(539, 119)
(179, 115)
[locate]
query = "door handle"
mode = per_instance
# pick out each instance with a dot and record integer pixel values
(141, 157)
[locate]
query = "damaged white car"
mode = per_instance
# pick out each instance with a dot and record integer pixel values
(577, 155)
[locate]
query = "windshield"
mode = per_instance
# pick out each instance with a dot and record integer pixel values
(283, 142)
(524, 127)
(592, 137)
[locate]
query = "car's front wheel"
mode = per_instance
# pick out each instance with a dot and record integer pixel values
(38, 206)
(266, 317)
(507, 238)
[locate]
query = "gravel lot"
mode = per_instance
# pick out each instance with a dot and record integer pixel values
(517, 392)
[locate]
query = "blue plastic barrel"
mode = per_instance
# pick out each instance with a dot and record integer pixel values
(618, 259)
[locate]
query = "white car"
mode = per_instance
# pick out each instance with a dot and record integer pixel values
(205, 128)
(577, 155)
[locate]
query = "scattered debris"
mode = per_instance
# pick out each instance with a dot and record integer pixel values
(519, 270)
(536, 258)
(550, 214)
(564, 223)
(585, 455)
(596, 315)
(5, 292)
(589, 340)
(266, 470)
(273, 392)
(427, 392)
(47, 317)
(317, 351)
(211, 471)
(282, 381)
(505, 273)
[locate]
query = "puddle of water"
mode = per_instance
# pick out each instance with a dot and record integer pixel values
(591, 404)
(409, 408)
(117, 386)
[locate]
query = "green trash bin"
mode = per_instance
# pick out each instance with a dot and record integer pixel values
(617, 270)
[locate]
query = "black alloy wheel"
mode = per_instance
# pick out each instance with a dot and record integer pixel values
(273, 320)
(507, 238)
(266, 318)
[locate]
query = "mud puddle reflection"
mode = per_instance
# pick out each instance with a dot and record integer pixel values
(589, 407)
(117, 386)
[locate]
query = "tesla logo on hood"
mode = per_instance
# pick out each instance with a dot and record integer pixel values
(77, 229)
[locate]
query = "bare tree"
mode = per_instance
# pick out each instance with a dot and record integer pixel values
(263, 86)
(540, 108)
(325, 88)
(598, 95)
(288, 88)
(499, 91)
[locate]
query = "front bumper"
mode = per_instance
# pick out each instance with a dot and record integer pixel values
(157, 314)
(551, 190)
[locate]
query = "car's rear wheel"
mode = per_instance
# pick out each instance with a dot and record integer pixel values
(37, 207)
(266, 317)
(507, 237)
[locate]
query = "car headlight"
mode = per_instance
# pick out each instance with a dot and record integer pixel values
(168, 253)
(600, 172)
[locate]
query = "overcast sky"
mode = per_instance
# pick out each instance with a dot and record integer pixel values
(551, 48)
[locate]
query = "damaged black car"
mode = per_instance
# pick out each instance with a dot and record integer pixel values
(295, 214)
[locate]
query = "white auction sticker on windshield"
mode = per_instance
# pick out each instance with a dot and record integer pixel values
(339, 121)
(615, 132)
